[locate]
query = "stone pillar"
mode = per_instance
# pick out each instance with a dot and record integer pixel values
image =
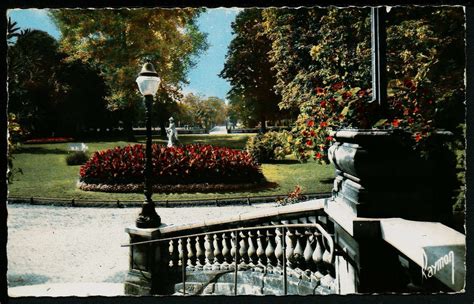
(148, 269)
(366, 263)
(378, 176)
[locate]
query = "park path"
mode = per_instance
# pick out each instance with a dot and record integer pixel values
(50, 245)
(218, 130)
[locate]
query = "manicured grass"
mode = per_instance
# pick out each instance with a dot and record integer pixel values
(46, 174)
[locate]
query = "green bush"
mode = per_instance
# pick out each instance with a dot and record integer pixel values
(76, 158)
(269, 146)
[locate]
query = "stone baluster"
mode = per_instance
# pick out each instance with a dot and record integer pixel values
(298, 251)
(327, 254)
(270, 250)
(261, 249)
(208, 252)
(170, 250)
(306, 240)
(226, 255)
(252, 251)
(318, 254)
(191, 255)
(244, 258)
(289, 245)
(233, 250)
(318, 250)
(217, 253)
(308, 250)
(174, 255)
(180, 252)
(199, 254)
(279, 247)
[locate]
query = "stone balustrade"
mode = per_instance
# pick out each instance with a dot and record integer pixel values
(289, 245)
(315, 247)
(309, 250)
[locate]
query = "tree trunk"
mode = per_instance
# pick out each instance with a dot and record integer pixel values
(263, 127)
(162, 125)
(128, 130)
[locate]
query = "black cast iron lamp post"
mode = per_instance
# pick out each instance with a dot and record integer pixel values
(148, 82)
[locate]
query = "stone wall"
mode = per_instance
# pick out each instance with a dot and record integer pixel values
(252, 282)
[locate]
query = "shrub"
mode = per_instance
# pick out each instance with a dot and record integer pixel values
(171, 165)
(75, 158)
(14, 134)
(268, 146)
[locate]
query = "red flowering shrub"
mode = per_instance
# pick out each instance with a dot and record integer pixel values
(187, 164)
(333, 107)
(49, 140)
(411, 107)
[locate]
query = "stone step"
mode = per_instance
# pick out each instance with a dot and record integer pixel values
(250, 283)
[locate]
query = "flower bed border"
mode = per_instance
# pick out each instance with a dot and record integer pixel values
(177, 188)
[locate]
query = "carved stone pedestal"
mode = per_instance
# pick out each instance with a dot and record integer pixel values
(378, 176)
(148, 262)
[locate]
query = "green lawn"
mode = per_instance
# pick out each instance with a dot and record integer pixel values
(46, 174)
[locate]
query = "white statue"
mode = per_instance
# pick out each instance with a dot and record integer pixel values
(172, 133)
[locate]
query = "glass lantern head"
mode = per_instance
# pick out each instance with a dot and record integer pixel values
(148, 80)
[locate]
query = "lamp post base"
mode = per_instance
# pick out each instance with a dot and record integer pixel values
(148, 218)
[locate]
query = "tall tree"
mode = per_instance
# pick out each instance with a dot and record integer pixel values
(117, 41)
(303, 60)
(241, 111)
(34, 87)
(206, 113)
(323, 61)
(248, 68)
(82, 107)
(216, 111)
(45, 94)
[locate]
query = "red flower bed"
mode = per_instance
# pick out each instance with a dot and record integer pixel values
(49, 140)
(187, 164)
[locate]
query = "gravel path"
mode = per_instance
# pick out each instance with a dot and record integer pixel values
(48, 244)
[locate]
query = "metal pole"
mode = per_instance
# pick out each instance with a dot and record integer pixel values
(148, 218)
(379, 57)
(236, 259)
(183, 270)
(283, 243)
(148, 164)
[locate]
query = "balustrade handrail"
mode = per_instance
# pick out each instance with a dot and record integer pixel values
(266, 241)
(235, 236)
(327, 235)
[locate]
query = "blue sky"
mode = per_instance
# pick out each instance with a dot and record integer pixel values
(203, 77)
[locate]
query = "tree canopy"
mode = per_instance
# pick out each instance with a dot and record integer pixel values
(45, 93)
(34, 88)
(249, 70)
(322, 59)
(313, 47)
(117, 41)
(206, 113)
